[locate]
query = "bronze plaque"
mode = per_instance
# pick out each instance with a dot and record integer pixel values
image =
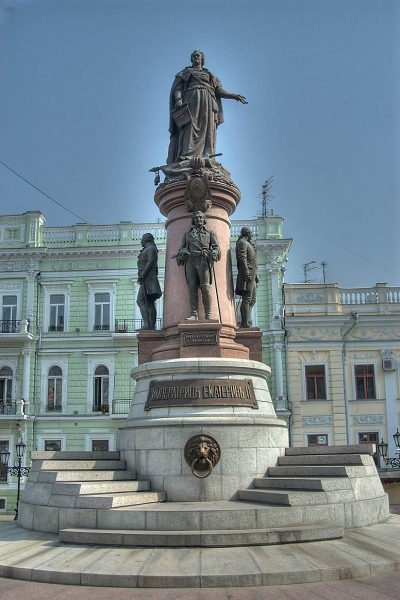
(201, 392)
(200, 338)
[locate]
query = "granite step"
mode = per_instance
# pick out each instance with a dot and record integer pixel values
(79, 465)
(325, 460)
(119, 499)
(200, 516)
(350, 449)
(99, 487)
(81, 476)
(297, 483)
(312, 471)
(285, 498)
(76, 455)
(201, 539)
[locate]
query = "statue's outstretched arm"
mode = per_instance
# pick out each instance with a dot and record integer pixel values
(229, 96)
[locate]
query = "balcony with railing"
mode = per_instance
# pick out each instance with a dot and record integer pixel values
(8, 407)
(124, 326)
(304, 298)
(16, 326)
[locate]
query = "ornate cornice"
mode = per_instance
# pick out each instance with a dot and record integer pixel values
(314, 334)
(323, 420)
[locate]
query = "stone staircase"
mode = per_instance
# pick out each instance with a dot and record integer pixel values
(63, 484)
(312, 494)
(317, 476)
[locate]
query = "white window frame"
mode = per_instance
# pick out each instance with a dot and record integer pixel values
(47, 363)
(94, 362)
(327, 386)
(52, 435)
(101, 287)
(99, 436)
(13, 367)
(11, 439)
(11, 289)
(376, 380)
(50, 289)
(316, 432)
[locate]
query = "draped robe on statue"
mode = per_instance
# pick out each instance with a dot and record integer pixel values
(199, 89)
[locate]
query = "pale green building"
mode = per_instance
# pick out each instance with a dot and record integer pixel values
(68, 329)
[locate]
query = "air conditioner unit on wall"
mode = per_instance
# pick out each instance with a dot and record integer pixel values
(389, 364)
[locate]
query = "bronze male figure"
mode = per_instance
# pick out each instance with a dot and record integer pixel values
(150, 290)
(198, 252)
(246, 282)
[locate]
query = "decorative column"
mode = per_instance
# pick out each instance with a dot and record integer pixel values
(278, 369)
(392, 419)
(26, 374)
(32, 269)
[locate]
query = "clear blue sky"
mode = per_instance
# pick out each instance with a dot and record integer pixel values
(84, 115)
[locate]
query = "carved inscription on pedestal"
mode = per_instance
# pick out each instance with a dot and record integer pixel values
(201, 392)
(201, 338)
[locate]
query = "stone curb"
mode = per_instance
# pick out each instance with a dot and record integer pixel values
(35, 556)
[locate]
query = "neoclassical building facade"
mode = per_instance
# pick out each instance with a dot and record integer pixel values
(68, 329)
(343, 351)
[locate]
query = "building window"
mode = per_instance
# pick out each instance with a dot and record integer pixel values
(52, 445)
(365, 382)
(101, 386)
(102, 307)
(319, 439)
(100, 445)
(54, 389)
(9, 315)
(315, 382)
(56, 301)
(370, 438)
(4, 447)
(57, 312)
(6, 380)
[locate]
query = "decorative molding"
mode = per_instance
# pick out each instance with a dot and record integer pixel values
(376, 334)
(313, 298)
(367, 419)
(363, 355)
(314, 334)
(10, 286)
(317, 420)
(388, 353)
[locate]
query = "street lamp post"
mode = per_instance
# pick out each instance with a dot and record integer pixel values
(383, 448)
(16, 470)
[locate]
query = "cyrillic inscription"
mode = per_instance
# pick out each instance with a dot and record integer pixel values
(201, 392)
(205, 338)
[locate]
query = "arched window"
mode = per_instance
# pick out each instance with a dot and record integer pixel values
(101, 388)
(54, 389)
(6, 379)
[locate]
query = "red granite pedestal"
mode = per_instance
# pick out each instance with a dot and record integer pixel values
(216, 338)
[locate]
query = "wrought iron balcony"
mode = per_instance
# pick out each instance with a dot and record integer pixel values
(8, 407)
(12, 326)
(121, 406)
(132, 325)
(53, 408)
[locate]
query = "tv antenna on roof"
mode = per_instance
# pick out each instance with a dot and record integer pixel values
(306, 269)
(266, 196)
(324, 264)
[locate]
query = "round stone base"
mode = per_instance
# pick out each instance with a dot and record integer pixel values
(250, 439)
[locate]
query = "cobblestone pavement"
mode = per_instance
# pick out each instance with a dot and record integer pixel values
(379, 587)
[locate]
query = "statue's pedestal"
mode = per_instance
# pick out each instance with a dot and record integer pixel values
(194, 339)
(250, 439)
(171, 202)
